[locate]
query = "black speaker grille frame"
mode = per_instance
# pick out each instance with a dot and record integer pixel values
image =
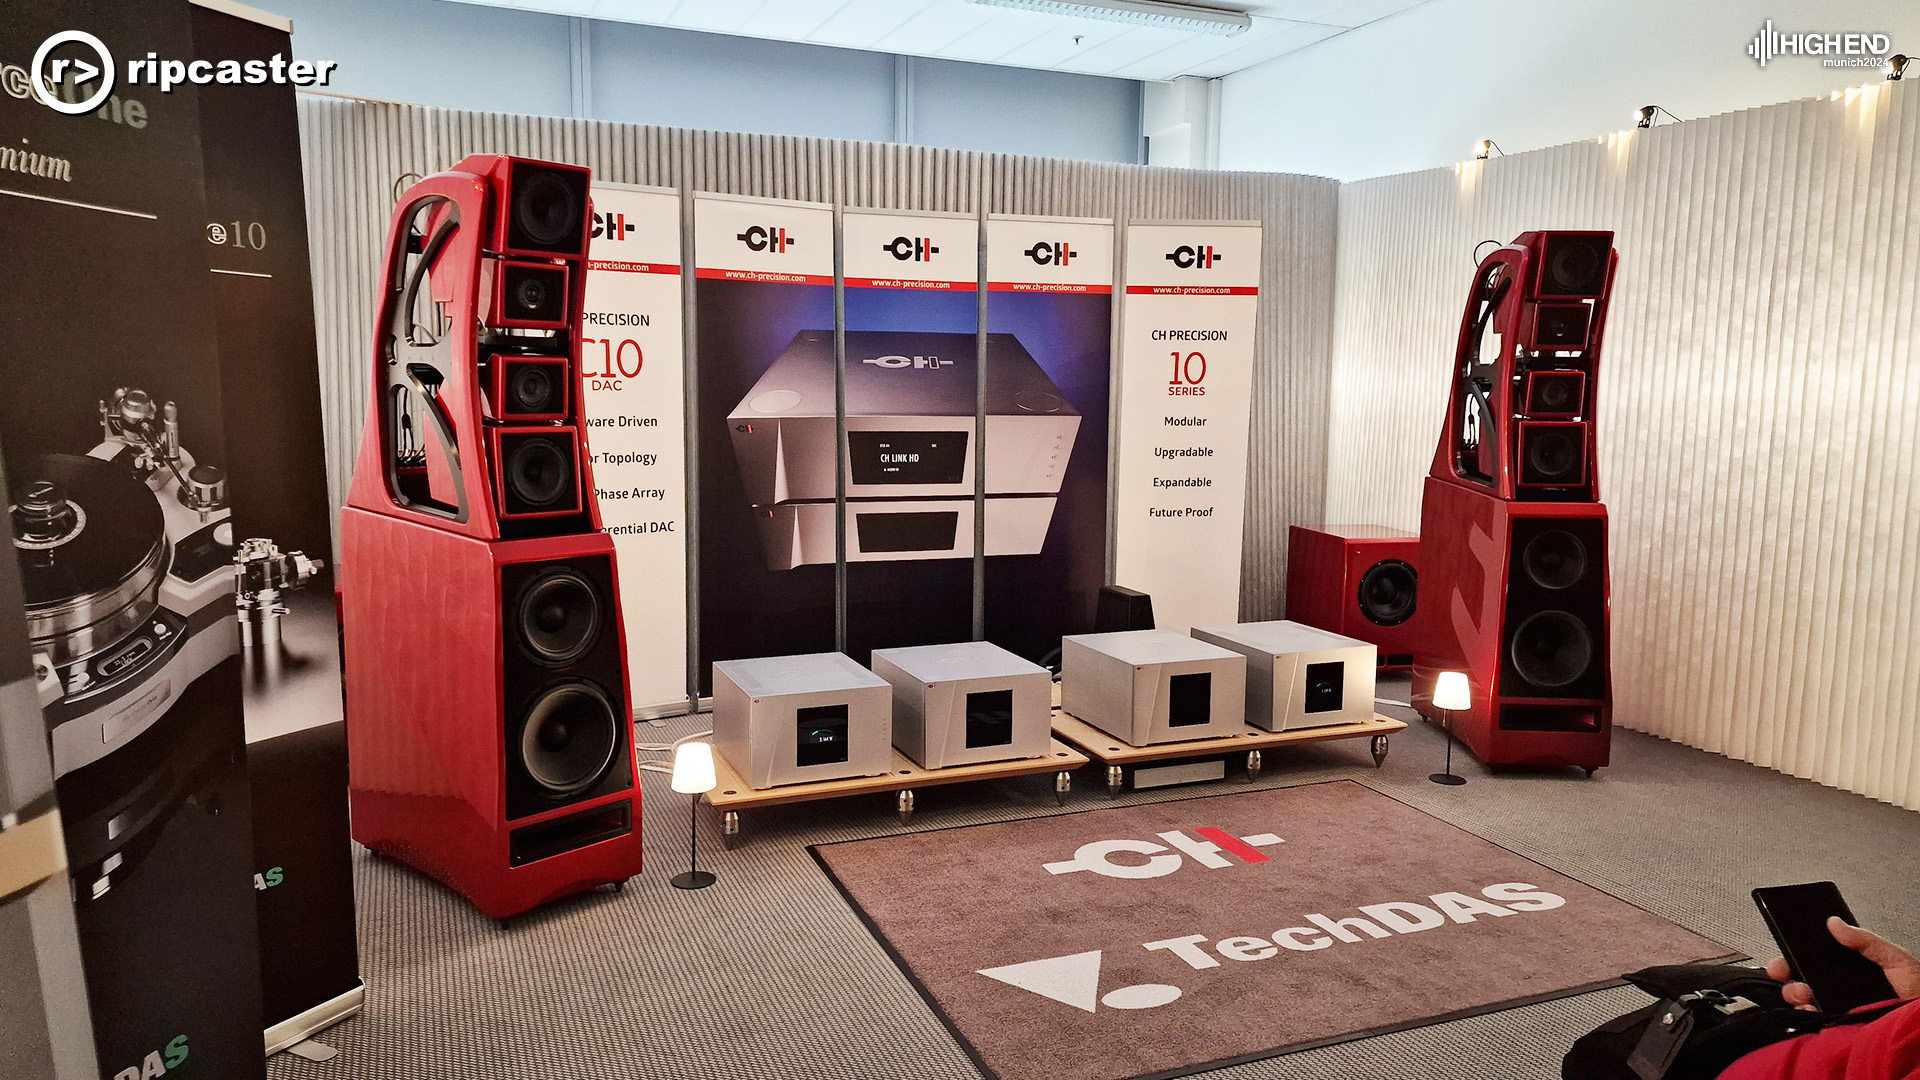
(1575, 265)
(524, 680)
(1412, 593)
(504, 368)
(522, 177)
(511, 277)
(515, 504)
(1584, 600)
(1534, 436)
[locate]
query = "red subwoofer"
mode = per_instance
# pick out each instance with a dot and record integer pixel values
(1362, 581)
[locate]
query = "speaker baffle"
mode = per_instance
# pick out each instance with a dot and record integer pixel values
(1556, 393)
(1555, 560)
(546, 208)
(522, 388)
(537, 472)
(1553, 455)
(1389, 592)
(1561, 326)
(568, 739)
(529, 295)
(1575, 264)
(1551, 649)
(558, 615)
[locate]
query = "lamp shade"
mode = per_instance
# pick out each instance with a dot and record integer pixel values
(1449, 692)
(693, 768)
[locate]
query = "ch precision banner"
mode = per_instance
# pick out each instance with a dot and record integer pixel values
(1186, 379)
(113, 431)
(256, 250)
(631, 356)
(1050, 289)
(912, 309)
(764, 433)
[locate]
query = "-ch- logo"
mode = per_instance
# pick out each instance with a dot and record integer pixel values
(896, 361)
(910, 248)
(611, 227)
(773, 241)
(1208, 846)
(1198, 258)
(1056, 254)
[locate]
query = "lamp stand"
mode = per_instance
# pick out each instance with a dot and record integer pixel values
(696, 878)
(1448, 778)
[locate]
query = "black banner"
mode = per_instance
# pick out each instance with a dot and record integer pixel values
(111, 424)
(256, 247)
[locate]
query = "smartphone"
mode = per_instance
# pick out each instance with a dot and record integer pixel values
(1841, 978)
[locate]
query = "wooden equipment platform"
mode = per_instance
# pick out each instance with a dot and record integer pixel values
(732, 795)
(1119, 757)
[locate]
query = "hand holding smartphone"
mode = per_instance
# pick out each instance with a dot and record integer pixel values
(1841, 978)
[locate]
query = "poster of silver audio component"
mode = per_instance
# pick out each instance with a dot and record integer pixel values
(910, 457)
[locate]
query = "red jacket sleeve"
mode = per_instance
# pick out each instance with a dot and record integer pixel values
(1886, 1049)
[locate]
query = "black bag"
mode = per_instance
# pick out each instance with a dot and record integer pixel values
(1708, 1017)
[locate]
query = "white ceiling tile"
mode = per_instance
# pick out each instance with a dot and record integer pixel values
(862, 23)
(716, 16)
(641, 11)
(1298, 37)
(935, 26)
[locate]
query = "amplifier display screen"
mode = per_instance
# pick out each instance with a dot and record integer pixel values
(907, 457)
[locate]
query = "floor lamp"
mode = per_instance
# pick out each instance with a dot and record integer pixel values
(1450, 693)
(693, 776)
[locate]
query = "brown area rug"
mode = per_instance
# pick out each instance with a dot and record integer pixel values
(1164, 939)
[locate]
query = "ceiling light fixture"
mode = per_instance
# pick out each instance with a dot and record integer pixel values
(1895, 67)
(1485, 148)
(1161, 14)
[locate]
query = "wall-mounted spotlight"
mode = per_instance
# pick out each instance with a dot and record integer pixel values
(1486, 148)
(1649, 114)
(1895, 67)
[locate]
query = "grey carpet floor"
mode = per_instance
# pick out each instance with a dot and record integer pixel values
(769, 975)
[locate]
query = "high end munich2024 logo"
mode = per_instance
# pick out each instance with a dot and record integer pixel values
(1852, 49)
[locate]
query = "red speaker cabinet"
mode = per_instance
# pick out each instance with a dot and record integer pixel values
(1514, 594)
(1359, 580)
(488, 729)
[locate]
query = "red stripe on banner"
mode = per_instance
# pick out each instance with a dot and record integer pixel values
(632, 267)
(1231, 844)
(1194, 290)
(1045, 287)
(763, 275)
(902, 283)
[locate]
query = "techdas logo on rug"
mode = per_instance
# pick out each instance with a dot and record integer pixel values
(1074, 979)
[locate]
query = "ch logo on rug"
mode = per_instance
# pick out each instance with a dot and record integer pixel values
(1208, 847)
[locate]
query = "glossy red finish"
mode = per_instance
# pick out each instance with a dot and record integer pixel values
(1325, 564)
(426, 722)
(1510, 275)
(467, 203)
(1466, 559)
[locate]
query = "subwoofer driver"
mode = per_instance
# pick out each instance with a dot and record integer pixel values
(569, 738)
(1389, 592)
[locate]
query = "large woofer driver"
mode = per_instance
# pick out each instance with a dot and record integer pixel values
(1388, 592)
(559, 617)
(569, 738)
(1551, 649)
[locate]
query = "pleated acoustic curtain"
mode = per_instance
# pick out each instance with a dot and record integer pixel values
(360, 154)
(1759, 409)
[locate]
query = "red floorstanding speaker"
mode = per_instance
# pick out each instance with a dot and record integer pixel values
(488, 713)
(1358, 580)
(1513, 538)
(1515, 595)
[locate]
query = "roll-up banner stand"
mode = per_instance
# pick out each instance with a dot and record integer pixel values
(112, 428)
(764, 411)
(912, 310)
(255, 244)
(1050, 298)
(1186, 380)
(631, 356)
